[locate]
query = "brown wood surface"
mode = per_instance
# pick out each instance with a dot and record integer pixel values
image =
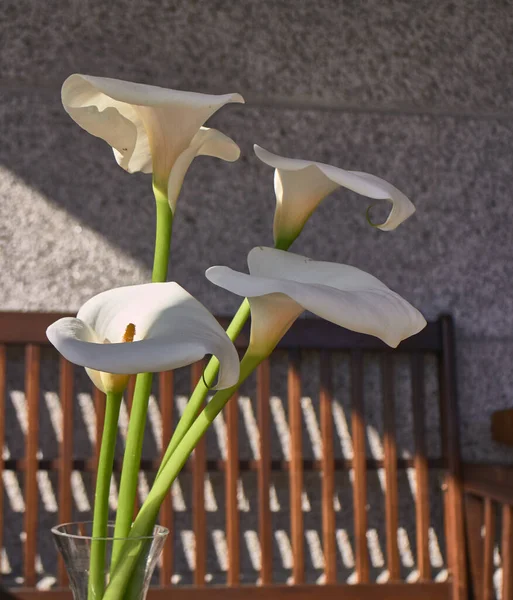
(490, 512)
(264, 473)
(65, 453)
(32, 373)
(166, 402)
(3, 385)
(231, 412)
(296, 468)
(474, 517)
(507, 552)
(421, 468)
(390, 456)
(451, 447)
(328, 471)
(311, 333)
(392, 591)
(360, 473)
(199, 515)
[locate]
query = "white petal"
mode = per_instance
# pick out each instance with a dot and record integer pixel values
(147, 126)
(172, 330)
(207, 142)
(301, 185)
(338, 293)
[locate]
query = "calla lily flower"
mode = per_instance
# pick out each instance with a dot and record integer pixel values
(301, 185)
(151, 129)
(282, 285)
(142, 329)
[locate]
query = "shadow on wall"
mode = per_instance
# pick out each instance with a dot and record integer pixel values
(183, 534)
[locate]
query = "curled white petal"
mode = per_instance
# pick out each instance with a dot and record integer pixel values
(148, 127)
(300, 186)
(338, 293)
(172, 330)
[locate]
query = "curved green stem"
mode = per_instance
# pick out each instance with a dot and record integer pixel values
(204, 385)
(101, 497)
(149, 510)
(209, 376)
(137, 424)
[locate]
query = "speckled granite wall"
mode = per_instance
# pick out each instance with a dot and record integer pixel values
(419, 93)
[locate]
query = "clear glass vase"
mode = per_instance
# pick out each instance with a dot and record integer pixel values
(74, 542)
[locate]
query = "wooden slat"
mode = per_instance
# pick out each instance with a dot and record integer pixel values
(199, 516)
(507, 552)
(390, 460)
(264, 474)
(22, 328)
(490, 511)
(166, 398)
(474, 517)
(296, 468)
(451, 449)
(375, 591)
(32, 372)
(328, 473)
(360, 475)
(88, 465)
(99, 409)
(231, 481)
(421, 467)
(3, 385)
(65, 453)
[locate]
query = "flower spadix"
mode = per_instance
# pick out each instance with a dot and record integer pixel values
(142, 328)
(151, 129)
(282, 285)
(300, 186)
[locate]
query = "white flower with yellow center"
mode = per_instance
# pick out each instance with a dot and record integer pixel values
(142, 329)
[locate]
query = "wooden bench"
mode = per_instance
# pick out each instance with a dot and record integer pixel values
(325, 341)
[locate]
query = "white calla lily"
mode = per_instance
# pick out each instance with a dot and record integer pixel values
(151, 129)
(300, 186)
(169, 329)
(281, 285)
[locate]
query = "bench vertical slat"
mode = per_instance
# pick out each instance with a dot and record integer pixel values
(99, 409)
(390, 460)
(490, 512)
(359, 468)
(231, 482)
(166, 398)
(421, 467)
(507, 552)
(474, 518)
(449, 421)
(3, 385)
(65, 453)
(296, 467)
(264, 472)
(198, 505)
(328, 472)
(32, 372)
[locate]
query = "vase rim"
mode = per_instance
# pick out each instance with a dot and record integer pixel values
(158, 532)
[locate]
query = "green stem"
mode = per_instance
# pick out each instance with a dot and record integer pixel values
(149, 510)
(203, 387)
(137, 424)
(209, 375)
(101, 497)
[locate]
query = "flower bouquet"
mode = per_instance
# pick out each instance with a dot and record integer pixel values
(159, 326)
